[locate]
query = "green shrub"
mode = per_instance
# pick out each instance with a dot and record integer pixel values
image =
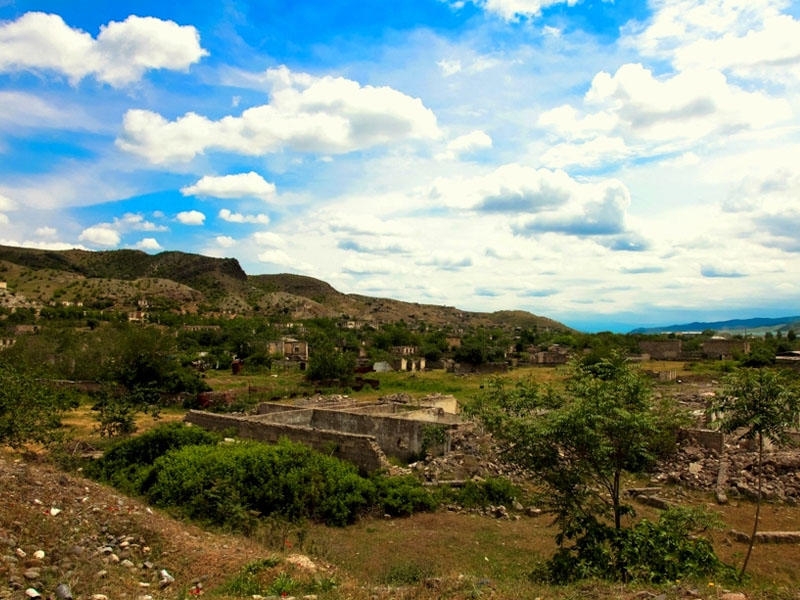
(286, 479)
(490, 491)
(128, 464)
(652, 552)
(403, 496)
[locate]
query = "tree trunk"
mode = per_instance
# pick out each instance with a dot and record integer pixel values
(615, 499)
(758, 505)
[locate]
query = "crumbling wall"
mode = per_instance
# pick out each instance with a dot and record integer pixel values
(361, 450)
(707, 438)
(403, 434)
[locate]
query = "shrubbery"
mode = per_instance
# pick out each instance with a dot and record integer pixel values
(128, 464)
(230, 485)
(653, 552)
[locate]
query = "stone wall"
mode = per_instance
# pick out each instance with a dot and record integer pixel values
(361, 450)
(707, 438)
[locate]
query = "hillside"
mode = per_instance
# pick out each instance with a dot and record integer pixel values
(129, 279)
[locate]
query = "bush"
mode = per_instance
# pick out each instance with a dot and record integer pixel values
(490, 491)
(666, 550)
(223, 484)
(128, 464)
(403, 496)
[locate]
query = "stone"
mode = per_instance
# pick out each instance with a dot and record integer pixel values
(32, 574)
(32, 593)
(63, 592)
(733, 596)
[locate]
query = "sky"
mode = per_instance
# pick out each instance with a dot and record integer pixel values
(606, 163)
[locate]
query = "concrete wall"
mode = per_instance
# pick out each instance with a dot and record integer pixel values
(361, 450)
(707, 438)
(662, 349)
(402, 434)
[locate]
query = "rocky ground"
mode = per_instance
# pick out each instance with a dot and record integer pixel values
(62, 536)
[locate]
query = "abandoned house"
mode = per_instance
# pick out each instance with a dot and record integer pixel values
(662, 349)
(723, 348)
(290, 349)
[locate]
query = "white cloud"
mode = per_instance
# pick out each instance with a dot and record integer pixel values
(191, 217)
(46, 231)
(119, 56)
(21, 109)
(511, 10)
(241, 185)
(467, 143)
(269, 239)
(232, 217)
(276, 257)
(225, 241)
(135, 222)
(148, 244)
(100, 235)
(633, 112)
(752, 39)
(330, 115)
(7, 203)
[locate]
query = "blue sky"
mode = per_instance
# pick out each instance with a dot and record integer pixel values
(609, 164)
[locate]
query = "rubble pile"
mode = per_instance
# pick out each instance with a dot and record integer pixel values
(734, 472)
(473, 454)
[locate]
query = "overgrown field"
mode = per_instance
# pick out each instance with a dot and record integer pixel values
(274, 524)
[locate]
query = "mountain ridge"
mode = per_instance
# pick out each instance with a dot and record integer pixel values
(754, 324)
(172, 280)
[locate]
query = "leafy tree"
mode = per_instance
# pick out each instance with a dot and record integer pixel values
(762, 405)
(30, 408)
(327, 363)
(579, 443)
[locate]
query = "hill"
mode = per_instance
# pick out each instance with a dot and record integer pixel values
(754, 326)
(128, 280)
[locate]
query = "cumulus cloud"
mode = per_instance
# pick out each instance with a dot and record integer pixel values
(240, 185)
(753, 39)
(597, 210)
(466, 144)
(225, 241)
(329, 115)
(110, 234)
(634, 112)
(149, 243)
(232, 217)
(191, 217)
(120, 55)
(100, 235)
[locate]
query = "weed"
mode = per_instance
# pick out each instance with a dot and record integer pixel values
(407, 573)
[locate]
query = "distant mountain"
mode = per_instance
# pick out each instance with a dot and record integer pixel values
(756, 326)
(130, 279)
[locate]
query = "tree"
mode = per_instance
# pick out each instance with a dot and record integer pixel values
(30, 408)
(760, 405)
(579, 443)
(328, 363)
